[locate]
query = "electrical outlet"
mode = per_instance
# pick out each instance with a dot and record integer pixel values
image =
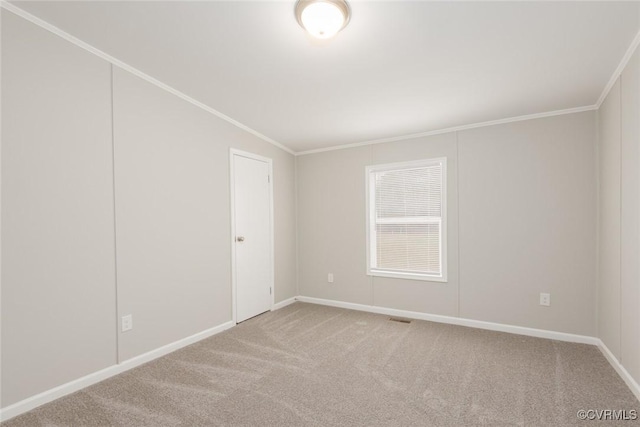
(330, 278)
(127, 323)
(545, 299)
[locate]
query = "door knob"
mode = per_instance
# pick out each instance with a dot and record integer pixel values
(240, 239)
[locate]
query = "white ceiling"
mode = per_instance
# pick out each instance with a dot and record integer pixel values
(398, 68)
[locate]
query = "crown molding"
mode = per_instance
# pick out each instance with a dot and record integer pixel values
(55, 30)
(120, 64)
(618, 71)
(453, 129)
(614, 77)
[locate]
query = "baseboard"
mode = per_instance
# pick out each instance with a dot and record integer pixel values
(539, 333)
(95, 377)
(624, 374)
(281, 304)
(519, 330)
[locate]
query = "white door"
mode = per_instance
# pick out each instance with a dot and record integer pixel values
(251, 204)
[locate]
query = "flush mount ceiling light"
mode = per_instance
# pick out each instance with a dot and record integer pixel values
(322, 18)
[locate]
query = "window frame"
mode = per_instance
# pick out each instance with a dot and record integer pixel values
(371, 220)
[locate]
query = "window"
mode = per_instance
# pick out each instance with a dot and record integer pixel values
(406, 220)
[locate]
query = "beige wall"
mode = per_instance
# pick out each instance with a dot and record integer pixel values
(630, 218)
(527, 223)
(331, 221)
(609, 220)
(58, 293)
(619, 210)
(171, 209)
(521, 205)
(172, 214)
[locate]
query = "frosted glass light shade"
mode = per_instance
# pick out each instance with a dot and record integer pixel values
(322, 18)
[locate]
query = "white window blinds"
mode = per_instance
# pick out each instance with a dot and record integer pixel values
(406, 219)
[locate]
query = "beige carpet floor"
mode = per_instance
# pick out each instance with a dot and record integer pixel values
(309, 365)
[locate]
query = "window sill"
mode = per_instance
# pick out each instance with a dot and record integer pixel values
(408, 276)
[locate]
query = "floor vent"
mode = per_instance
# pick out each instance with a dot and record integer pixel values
(399, 319)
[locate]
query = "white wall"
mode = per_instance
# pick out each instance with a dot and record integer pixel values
(170, 233)
(522, 220)
(619, 211)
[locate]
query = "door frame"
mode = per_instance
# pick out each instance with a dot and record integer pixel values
(234, 152)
